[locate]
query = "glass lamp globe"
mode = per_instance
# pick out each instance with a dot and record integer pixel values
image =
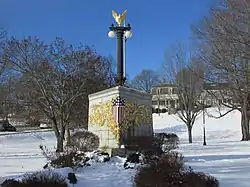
(111, 34)
(128, 34)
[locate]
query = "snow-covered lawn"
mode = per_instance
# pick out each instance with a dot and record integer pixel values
(225, 156)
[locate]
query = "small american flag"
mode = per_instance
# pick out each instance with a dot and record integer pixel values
(118, 107)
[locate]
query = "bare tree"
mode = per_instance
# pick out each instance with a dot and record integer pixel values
(145, 80)
(224, 43)
(3, 33)
(3, 64)
(57, 75)
(9, 101)
(188, 85)
(2, 67)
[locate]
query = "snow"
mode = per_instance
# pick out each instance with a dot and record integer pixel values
(106, 174)
(24, 131)
(224, 157)
(223, 129)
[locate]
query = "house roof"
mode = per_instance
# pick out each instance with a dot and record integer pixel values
(206, 86)
(163, 85)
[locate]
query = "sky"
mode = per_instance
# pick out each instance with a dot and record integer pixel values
(156, 24)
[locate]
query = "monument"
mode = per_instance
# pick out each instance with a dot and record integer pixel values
(120, 112)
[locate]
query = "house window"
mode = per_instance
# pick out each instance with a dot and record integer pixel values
(154, 103)
(174, 90)
(162, 103)
(164, 91)
(158, 90)
(153, 92)
(172, 103)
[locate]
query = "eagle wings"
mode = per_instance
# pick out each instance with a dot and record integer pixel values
(119, 18)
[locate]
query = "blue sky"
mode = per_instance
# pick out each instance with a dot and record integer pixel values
(155, 24)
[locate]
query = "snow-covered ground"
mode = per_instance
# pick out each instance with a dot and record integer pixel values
(20, 131)
(224, 156)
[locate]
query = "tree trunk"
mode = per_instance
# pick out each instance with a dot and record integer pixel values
(67, 135)
(190, 137)
(59, 144)
(60, 139)
(6, 118)
(245, 126)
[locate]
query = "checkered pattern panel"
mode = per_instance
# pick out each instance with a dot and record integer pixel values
(118, 101)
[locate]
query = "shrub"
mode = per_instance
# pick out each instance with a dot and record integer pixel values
(169, 170)
(199, 179)
(41, 179)
(69, 158)
(157, 110)
(84, 141)
(9, 183)
(64, 160)
(47, 178)
(48, 154)
(166, 142)
(164, 110)
(160, 172)
(74, 154)
(133, 160)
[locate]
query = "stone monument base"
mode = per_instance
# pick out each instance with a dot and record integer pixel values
(136, 116)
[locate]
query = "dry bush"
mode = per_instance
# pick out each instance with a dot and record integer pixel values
(166, 142)
(199, 179)
(46, 178)
(169, 170)
(70, 158)
(73, 160)
(160, 172)
(48, 154)
(84, 141)
(74, 154)
(41, 179)
(10, 182)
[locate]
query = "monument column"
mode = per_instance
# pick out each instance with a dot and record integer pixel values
(122, 33)
(120, 69)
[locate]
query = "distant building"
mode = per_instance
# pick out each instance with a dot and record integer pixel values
(215, 94)
(165, 96)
